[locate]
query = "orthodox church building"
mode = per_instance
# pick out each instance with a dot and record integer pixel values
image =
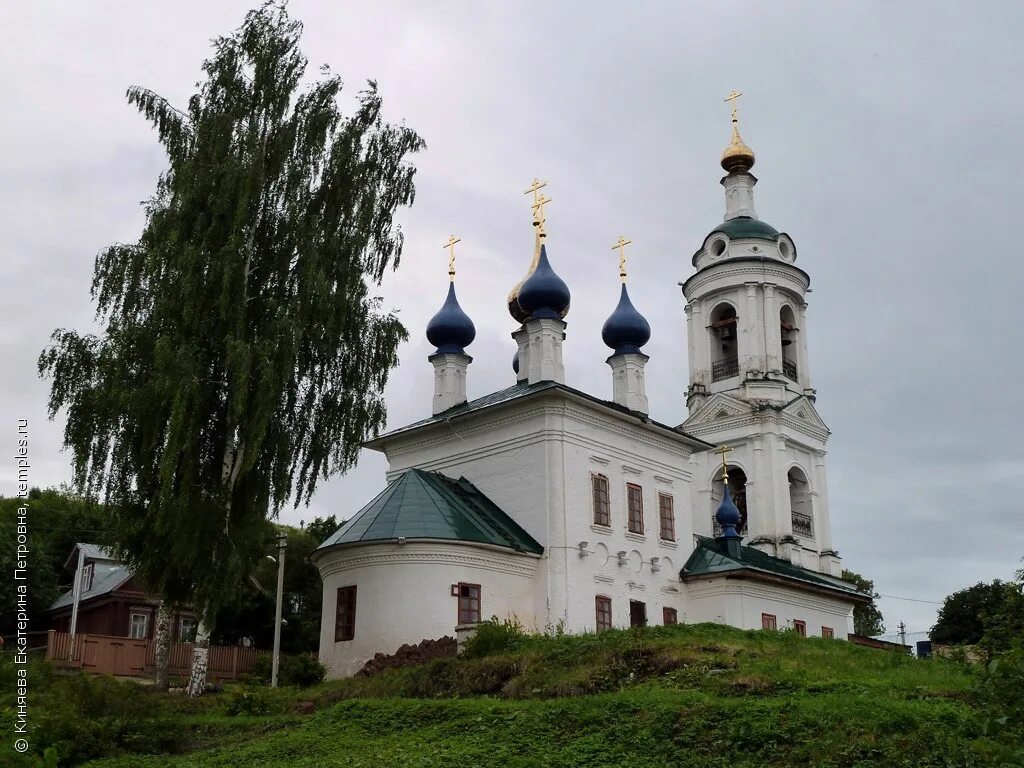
(561, 509)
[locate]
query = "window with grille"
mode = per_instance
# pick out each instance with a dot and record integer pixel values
(669, 616)
(827, 633)
(469, 603)
(800, 627)
(668, 517)
(768, 621)
(604, 613)
(345, 617)
(186, 629)
(87, 576)
(635, 498)
(602, 507)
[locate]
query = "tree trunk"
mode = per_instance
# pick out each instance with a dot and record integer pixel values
(200, 660)
(162, 640)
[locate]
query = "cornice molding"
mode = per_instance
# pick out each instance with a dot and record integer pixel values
(342, 560)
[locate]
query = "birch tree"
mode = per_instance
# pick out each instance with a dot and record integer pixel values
(243, 353)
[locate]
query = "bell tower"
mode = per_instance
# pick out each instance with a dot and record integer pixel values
(749, 379)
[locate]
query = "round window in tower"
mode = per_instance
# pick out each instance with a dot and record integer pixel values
(717, 248)
(785, 249)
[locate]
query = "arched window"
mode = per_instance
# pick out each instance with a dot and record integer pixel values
(787, 332)
(724, 353)
(738, 492)
(800, 503)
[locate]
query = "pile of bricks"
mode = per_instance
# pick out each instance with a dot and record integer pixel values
(411, 655)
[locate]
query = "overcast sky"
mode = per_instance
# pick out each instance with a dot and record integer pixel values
(886, 136)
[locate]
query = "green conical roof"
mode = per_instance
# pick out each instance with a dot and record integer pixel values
(428, 505)
(747, 227)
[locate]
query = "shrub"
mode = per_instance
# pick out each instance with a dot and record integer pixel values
(495, 636)
(301, 670)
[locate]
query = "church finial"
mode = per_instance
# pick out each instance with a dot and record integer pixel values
(737, 157)
(723, 450)
(452, 240)
(620, 246)
(728, 514)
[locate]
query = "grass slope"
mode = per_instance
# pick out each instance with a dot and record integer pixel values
(691, 695)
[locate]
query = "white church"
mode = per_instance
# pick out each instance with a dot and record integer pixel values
(561, 509)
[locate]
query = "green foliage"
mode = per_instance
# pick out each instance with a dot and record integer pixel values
(688, 696)
(867, 619)
(57, 519)
(321, 528)
(249, 613)
(1003, 620)
(300, 670)
(960, 617)
(494, 636)
(243, 354)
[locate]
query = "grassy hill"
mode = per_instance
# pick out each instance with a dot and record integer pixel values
(690, 695)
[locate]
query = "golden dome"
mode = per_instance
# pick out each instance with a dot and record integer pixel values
(737, 157)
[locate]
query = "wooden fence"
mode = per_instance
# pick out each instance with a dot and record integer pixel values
(108, 655)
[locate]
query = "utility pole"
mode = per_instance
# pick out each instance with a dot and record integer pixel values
(903, 632)
(77, 598)
(282, 544)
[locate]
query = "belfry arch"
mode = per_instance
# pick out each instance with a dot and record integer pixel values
(787, 336)
(723, 339)
(800, 503)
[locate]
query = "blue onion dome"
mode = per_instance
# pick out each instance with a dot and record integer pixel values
(626, 330)
(544, 294)
(451, 330)
(515, 362)
(728, 515)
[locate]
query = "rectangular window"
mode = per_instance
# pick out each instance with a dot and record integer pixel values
(827, 633)
(668, 517)
(138, 626)
(602, 507)
(345, 616)
(800, 627)
(604, 613)
(88, 571)
(635, 497)
(637, 614)
(186, 629)
(469, 603)
(768, 621)
(669, 616)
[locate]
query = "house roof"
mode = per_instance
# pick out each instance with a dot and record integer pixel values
(710, 558)
(521, 390)
(106, 579)
(428, 505)
(91, 552)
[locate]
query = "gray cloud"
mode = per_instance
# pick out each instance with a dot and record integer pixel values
(885, 136)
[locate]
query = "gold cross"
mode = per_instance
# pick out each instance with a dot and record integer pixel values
(732, 99)
(538, 212)
(452, 240)
(620, 246)
(723, 450)
(535, 188)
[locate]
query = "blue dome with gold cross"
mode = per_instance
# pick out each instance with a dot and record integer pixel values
(625, 330)
(451, 330)
(544, 294)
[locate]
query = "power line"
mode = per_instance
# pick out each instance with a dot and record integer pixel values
(912, 599)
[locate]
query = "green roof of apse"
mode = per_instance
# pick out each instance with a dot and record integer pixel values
(710, 558)
(747, 227)
(428, 505)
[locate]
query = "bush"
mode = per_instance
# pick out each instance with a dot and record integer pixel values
(495, 636)
(300, 670)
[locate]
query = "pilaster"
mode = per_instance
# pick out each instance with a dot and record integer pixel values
(628, 388)
(449, 380)
(544, 353)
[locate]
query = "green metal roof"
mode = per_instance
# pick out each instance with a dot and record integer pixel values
(745, 226)
(428, 505)
(709, 558)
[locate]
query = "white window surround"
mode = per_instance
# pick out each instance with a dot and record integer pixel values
(605, 529)
(138, 625)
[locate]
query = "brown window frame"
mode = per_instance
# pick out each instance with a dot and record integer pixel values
(465, 615)
(769, 621)
(667, 525)
(602, 506)
(632, 519)
(828, 633)
(603, 612)
(345, 631)
(669, 616)
(800, 627)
